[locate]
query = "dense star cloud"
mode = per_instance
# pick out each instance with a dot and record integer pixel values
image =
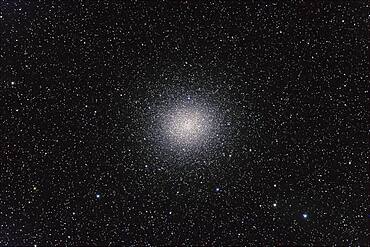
(188, 123)
(184, 123)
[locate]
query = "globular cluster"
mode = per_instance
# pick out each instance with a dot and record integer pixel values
(188, 126)
(151, 123)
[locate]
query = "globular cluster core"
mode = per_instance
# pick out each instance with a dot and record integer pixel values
(187, 126)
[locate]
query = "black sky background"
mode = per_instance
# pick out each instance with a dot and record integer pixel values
(83, 162)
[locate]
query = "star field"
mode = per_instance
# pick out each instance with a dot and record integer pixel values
(141, 123)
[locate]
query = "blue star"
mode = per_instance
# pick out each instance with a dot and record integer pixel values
(97, 195)
(305, 215)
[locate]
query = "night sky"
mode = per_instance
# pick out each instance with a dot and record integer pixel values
(184, 123)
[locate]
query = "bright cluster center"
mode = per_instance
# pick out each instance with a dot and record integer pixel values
(186, 126)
